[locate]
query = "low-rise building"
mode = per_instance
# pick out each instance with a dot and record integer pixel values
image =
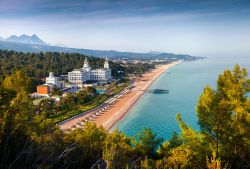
(53, 80)
(43, 90)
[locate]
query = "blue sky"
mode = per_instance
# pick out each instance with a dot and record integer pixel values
(197, 27)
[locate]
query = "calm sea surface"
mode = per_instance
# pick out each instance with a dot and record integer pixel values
(185, 83)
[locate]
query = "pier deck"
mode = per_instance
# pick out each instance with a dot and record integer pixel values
(156, 91)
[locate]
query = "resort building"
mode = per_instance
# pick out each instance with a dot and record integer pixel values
(53, 81)
(80, 76)
(100, 75)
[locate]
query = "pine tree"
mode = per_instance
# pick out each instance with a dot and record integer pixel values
(224, 116)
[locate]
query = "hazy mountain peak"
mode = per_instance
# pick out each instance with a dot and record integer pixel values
(12, 37)
(155, 52)
(60, 45)
(34, 39)
(34, 36)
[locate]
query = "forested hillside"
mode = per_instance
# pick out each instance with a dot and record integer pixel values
(38, 65)
(30, 140)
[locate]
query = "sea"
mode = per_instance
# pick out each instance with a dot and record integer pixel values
(185, 83)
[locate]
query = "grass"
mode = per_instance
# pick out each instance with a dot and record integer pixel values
(60, 116)
(116, 88)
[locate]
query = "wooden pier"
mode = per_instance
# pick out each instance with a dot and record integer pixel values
(156, 91)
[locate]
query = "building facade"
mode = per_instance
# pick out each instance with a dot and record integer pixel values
(100, 75)
(53, 80)
(43, 91)
(80, 76)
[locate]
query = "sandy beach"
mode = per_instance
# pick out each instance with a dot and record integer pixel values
(116, 111)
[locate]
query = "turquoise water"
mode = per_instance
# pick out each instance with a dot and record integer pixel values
(185, 83)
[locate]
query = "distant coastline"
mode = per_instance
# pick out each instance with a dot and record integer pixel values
(34, 44)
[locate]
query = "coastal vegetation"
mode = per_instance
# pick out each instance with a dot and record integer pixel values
(29, 139)
(75, 103)
(70, 105)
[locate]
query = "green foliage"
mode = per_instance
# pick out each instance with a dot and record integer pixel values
(15, 128)
(83, 97)
(139, 68)
(214, 163)
(70, 105)
(88, 146)
(165, 148)
(118, 151)
(115, 87)
(56, 91)
(18, 82)
(148, 143)
(91, 90)
(224, 116)
(147, 164)
(38, 65)
(45, 106)
(193, 150)
(73, 104)
(29, 139)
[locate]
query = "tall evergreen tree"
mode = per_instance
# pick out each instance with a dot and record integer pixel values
(224, 116)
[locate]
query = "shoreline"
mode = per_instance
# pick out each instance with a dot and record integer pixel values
(116, 112)
(157, 75)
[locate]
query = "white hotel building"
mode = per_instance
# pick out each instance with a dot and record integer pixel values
(80, 76)
(53, 80)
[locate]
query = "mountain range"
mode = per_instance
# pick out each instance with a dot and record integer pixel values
(25, 43)
(33, 39)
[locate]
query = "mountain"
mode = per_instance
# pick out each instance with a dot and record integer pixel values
(111, 54)
(60, 45)
(1, 39)
(26, 39)
(155, 52)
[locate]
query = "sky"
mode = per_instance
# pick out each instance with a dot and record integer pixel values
(195, 27)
